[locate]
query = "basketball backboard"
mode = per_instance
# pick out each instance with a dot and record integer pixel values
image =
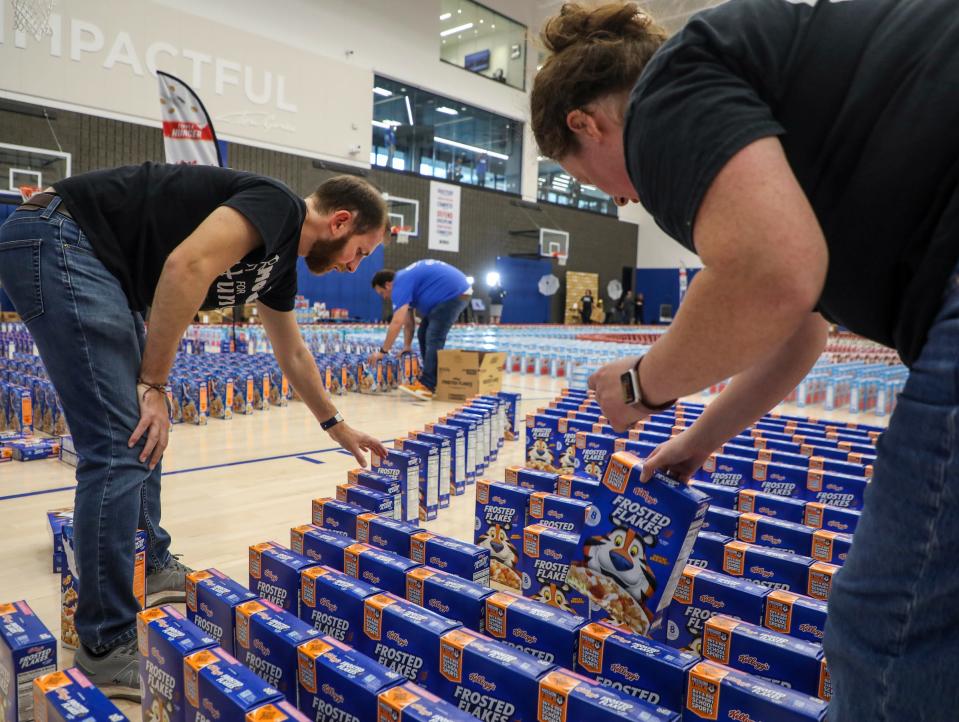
(554, 244)
(37, 167)
(403, 213)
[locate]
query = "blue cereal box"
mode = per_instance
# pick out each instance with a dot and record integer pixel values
(380, 483)
(380, 568)
(775, 533)
(411, 703)
(701, 594)
(68, 696)
(429, 478)
(404, 637)
(267, 639)
(645, 533)
(276, 712)
(634, 666)
(544, 448)
(218, 687)
(502, 511)
(797, 615)
(489, 679)
(532, 479)
(445, 449)
(767, 567)
(320, 545)
(165, 639)
(56, 518)
(770, 505)
(723, 470)
(469, 427)
(839, 490)
(716, 692)
(559, 512)
(593, 452)
(458, 457)
(779, 479)
(332, 602)
(482, 434)
(211, 601)
(512, 402)
(725, 496)
(462, 559)
(576, 487)
(403, 468)
(720, 520)
(448, 595)
(27, 651)
(335, 515)
(547, 556)
(385, 533)
(339, 683)
(375, 502)
(830, 546)
(708, 550)
(820, 580)
(275, 574)
(831, 518)
(568, 697)
(539, 629)
(778, 658)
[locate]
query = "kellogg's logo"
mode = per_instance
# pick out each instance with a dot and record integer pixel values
(480, 681)
(525, 636)
(271, 575)
(397, 639)
(261, 647)
(331, 692)
(771, 539)
(750, 661)
(759, 571)
(624, 672)
(205, 608)
(644, 494)
(552, 554)
(712, 601)
(739, 716)
(327, 604)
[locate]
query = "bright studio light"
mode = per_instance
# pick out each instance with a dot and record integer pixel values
(492, 279)
(470, 280)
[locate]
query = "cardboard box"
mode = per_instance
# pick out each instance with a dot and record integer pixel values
(767, 567)
(462, 374)
(332, 602)
(69, 696)
(275, 574)
(560, 512)
(411, 703)
(567, 697)
(821, 516)
(720, 520)
(371, 500)
(219, 688)
(539, 629)
(320, 545)
(830, 546)
(470, 429)
(463, 559)
(380, 568)
(211, 601)
(27, 651)
(56, 519)
(458, 456)
(445, 447)
(776, 534)
(429, 476)
(502, 512)
(338, 516)
(403, 468)
(770, 505)
(532, 479)
(381, 483)
(547, 557)
(797, 615)
(451, 596)
(385, 533)
(709, 550)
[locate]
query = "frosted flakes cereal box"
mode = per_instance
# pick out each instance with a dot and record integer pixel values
(28, 651)
(211, 601)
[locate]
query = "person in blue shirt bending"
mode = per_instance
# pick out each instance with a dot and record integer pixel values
(438, 292)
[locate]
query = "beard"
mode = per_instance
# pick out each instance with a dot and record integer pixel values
(320, 258)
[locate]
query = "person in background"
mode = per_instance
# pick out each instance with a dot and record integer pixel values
(496, 295)
(438, 292)
(586, 307)
(629, 307)
(791, 145)
(81, 262)
(640, 312)
(482, 163)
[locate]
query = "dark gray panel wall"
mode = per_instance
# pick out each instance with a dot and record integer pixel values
(597, 243)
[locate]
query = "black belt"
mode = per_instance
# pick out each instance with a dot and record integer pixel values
(42, 200)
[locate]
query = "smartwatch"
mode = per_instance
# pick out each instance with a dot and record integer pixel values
(633, 392)
(331, 422)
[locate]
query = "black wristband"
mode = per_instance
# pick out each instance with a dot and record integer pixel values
(643, 401)
(384, 351)
(331, 422)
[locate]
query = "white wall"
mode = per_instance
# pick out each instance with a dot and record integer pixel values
(655, 249)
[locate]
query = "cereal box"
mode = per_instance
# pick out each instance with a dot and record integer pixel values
(276, 712)
(451, 596)
(335, 515)
(56, 518)
(469, 427)
(385, 533)
(642, 449)
(27, 651)
(211, 601)
(488, 679)
(380, 568)
(575, 487)
(778, 658)
(767, 567)
(502, 512)
(559, 512)
(411, 703)
(332, 602)
(267, 640)
(537, 628)
(633, 665)
(220, 394)
(702, 593)
(532, 479)
(547, 556)
(723, 470)
(403, 468)
(708, 551)
(429, 477)
(483, 435)
(338, 683)
(165, 639)
(380, 483)
(840, 490)
(544, 448)
(69, 696)
(512, 402)
(820, 580)
(725, 496)
(488, 442)
(193, 401)
(567, 697)
(371, 500)
(465, 560)
(830, 546)
(821, 516)
(218, 687)
(404, 637)
(275, 574)
(797, 615)
(458, 460)
(320, 545)
(632, 563)
(566, 430)
(716, 692)
(770, 505)
(775, 533)
(445, 448)
(721, 521)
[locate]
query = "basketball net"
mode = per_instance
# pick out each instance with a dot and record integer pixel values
(33, 16)
(27, 191)
(561, 259)
(401, 234)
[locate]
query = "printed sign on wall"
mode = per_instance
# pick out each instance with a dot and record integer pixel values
(444, 217)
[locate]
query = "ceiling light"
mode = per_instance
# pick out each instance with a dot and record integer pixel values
(591, 188)
(448, 111)
(409, 110)
(386, 123)
(493, 26)
(383, 91)
(481, 21)
(446, 16)
(457, 29)
(464, 146)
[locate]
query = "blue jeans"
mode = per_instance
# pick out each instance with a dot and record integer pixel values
(892, 637)
(91, 344)
(432, 333)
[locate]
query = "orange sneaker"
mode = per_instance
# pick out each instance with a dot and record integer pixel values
(418, 390)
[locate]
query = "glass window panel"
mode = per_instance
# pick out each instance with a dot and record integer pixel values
(555, 185)
(482, 41)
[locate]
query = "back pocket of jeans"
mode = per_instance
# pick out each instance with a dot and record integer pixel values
(20, 276)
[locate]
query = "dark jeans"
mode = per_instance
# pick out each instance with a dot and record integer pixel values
(892, 637)
(432, 333)
(91, 344)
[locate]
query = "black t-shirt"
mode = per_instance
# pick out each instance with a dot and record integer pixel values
(587, 302)
(864, 95)
(496, 296)
(136, 215)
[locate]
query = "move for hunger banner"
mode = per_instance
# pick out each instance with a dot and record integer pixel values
(188, 135)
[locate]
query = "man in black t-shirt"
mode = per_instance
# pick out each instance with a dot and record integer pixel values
(81, 263)
(586, 307)
(807, 151)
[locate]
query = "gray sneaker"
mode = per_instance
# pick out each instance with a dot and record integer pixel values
(116, 672)
(168, 585)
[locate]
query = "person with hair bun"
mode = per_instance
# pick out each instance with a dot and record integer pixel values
(807, 151)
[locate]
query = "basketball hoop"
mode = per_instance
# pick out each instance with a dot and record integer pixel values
(401, 234)
(33, 16)
(26, 192)
(557, 257)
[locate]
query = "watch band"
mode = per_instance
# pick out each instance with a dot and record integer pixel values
(331, 422)
(642, 396)
(384, 351)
